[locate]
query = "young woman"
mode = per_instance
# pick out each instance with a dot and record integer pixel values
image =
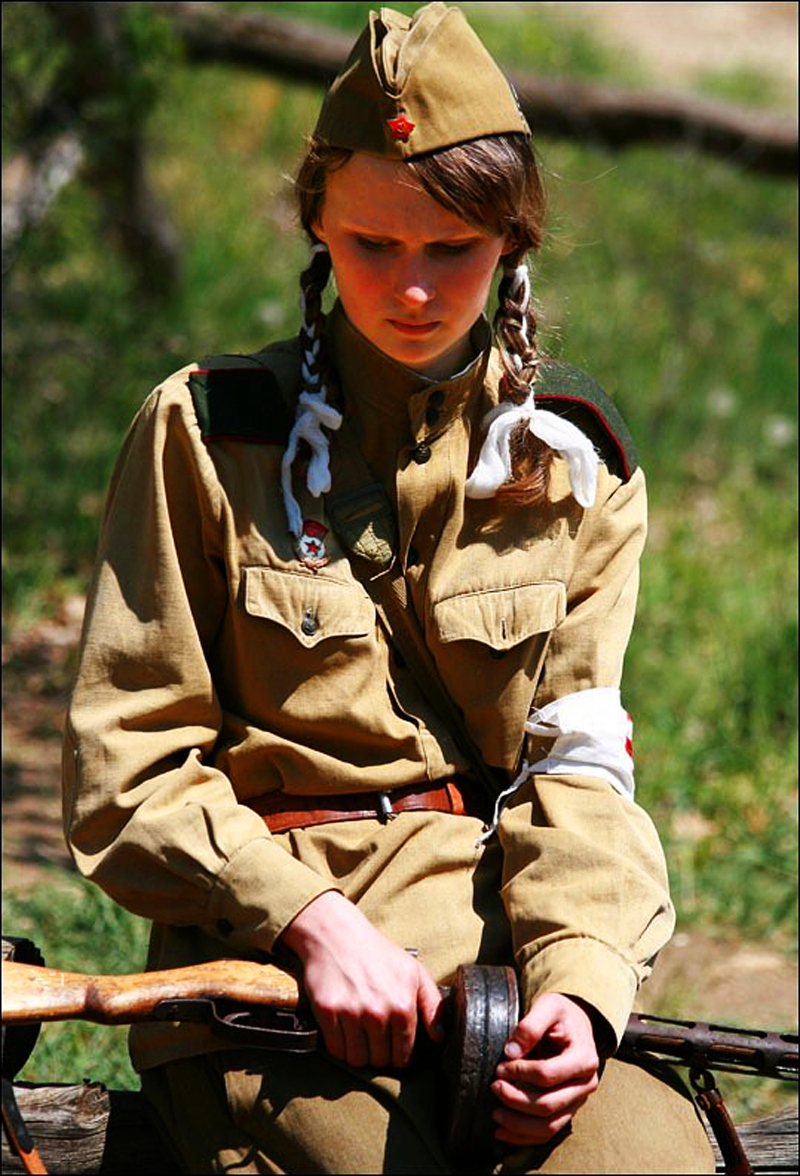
(252, 760)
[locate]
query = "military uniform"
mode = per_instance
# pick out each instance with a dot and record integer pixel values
(216, 667)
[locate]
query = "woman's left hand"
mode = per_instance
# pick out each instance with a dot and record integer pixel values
(550, 1069)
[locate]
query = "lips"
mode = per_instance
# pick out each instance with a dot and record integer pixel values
(406, 328)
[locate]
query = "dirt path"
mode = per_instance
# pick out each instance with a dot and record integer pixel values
(37, 670)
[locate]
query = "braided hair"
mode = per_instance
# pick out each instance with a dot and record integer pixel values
(313, 408)
(515, 329)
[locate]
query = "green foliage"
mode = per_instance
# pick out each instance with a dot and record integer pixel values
(743, 86)
(344, 15)
(78, 929)
(32, 60)
(536, 42)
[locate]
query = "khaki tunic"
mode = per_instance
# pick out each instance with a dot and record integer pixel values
(200, 687)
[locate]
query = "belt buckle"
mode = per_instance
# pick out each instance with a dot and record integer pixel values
(385, 810)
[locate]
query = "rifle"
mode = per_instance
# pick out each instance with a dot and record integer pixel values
(261, 1005)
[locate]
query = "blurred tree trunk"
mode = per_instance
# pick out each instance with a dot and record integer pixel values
(93, 119)
(31, 181)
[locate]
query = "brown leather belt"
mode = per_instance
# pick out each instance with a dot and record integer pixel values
(459, 795)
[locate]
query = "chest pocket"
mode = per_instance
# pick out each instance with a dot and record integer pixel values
(502, 617)
(313, 608)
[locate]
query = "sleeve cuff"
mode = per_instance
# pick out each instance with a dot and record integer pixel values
(583, 968)
(258, 893)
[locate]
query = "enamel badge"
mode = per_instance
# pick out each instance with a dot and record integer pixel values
(310, 547)
(401, 128)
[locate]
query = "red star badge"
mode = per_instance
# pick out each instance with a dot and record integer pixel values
(400, 127)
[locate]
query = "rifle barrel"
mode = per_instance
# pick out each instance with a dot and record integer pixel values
(704, 1046)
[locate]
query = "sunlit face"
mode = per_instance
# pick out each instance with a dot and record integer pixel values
(412, 277)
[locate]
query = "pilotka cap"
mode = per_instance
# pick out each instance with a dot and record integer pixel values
(417, 84)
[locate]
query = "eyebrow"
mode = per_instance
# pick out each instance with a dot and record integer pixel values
(455, 239)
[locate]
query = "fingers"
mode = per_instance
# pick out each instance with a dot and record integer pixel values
(378, 1027)
(553, 1040)
(545, 1020)
(376, 1034)
(430, 1003)
(523, 1131)
(529, 1115)
(545, 1104)
(367, 993)
(577, 1062)
(539, 1093)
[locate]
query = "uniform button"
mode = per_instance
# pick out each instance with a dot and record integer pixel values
(310, 623)
(422, 453)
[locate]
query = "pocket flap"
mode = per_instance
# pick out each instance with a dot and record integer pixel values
(311, 607)
(501, 617)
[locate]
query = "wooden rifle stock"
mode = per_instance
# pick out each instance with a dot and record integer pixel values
(32, 993)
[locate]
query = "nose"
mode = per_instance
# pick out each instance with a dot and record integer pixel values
(414, 287)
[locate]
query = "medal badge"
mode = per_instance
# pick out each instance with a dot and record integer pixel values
(310, 547)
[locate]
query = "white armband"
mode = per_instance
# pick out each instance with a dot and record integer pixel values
(592, 736)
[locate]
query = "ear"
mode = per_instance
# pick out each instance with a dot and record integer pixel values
(318, 229)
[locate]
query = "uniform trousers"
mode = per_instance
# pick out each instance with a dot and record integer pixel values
(249, 1111)
(252, 1111)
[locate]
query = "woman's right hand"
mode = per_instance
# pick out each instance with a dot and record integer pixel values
(367, 994)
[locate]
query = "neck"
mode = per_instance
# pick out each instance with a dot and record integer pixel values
(452, 361)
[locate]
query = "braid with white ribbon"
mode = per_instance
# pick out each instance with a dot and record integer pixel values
(515, 298)
(494, 466)
(313, 411)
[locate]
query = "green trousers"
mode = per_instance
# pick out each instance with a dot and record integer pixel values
(250, 1111)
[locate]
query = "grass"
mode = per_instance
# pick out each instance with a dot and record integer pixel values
(670, 276)
(78, 929)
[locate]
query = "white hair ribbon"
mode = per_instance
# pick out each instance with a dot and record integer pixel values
(308, 427)
(494, 461)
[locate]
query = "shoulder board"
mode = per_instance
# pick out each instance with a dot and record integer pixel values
(573, 394)
(245, 397)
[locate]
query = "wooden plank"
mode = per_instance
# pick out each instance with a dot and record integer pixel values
(769, 1143)
(87, 1130)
